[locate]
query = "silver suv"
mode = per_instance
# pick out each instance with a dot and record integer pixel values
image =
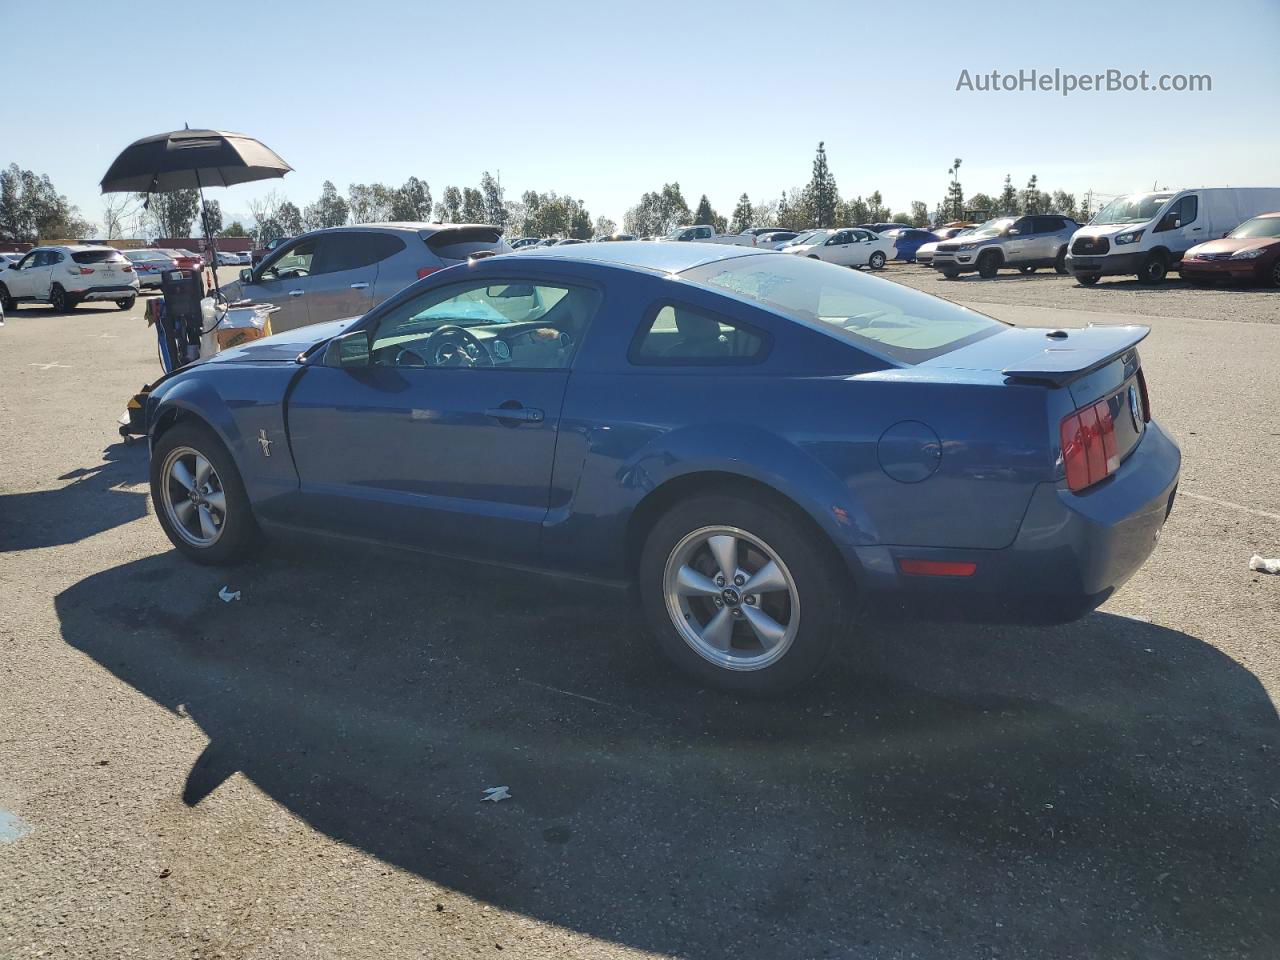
(1024, 243)
(346, 271)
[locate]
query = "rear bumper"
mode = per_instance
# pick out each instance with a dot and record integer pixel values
(1071, 553)
(113, 292)
(1108, 265)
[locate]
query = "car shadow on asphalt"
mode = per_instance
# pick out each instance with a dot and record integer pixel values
(1106, 788)
(91, 502)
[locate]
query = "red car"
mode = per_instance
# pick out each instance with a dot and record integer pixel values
(184, 259)
(258, 255)
(1250, 252)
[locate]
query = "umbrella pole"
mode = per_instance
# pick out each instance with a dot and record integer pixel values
(210, 246)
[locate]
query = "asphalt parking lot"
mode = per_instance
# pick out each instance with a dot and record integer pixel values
(299, 773)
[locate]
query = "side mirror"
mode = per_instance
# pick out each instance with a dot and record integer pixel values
(1169, 222)
(246, 276)
(349, 350)
(14, 265)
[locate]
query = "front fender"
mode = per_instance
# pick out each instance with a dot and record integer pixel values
(244, 405)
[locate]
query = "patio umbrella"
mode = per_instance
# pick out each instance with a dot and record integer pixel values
(186, 159)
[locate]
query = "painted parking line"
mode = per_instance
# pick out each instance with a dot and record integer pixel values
(1227, 503)
(49, 366)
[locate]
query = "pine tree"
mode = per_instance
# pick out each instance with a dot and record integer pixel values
(1008, 205)
(743, 216)
(1031, 197)
(821, 192)
(704, 213)
(955, 193)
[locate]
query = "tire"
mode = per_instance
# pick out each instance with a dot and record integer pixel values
(814, 256)
(1153, 269)
(1275, 274)
(7, 303)
(950, 272)
(1026, 270)
(126, 303)
(231, 534)
(876, 261)
(682, 619)
(1060, 261)
(61, 300)
(988, 265)
(1086, 279)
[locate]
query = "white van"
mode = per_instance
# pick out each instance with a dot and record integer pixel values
(1146, 234)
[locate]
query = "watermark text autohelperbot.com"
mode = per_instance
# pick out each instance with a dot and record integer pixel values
(1066, 83)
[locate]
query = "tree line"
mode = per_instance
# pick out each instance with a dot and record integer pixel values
(31, 209)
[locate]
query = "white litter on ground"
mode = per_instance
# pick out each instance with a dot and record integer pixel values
(226, 594)
(1264, 564)
(496, 793)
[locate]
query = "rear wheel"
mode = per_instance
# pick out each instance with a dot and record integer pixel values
(126, 303)
(1060, 262)
(199, 497)
(1153, 269)
(877, 260)
(725, 582)
(1086, 279)
(60, 300)
(1026, 270)
(988, 264)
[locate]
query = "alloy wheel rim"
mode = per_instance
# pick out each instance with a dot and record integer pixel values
(194, 499)
(731, 598)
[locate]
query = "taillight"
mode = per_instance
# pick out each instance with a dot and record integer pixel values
(127, 269)
(82, 270)
(1089, 445)
(426, 271)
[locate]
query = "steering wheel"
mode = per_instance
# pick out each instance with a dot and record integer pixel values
(451, 346)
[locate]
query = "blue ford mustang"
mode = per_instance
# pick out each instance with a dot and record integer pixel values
(758, 442)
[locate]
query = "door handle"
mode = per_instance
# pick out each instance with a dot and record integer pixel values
(526, 414)
(1196, 229)
(295, 293)
(360, 286)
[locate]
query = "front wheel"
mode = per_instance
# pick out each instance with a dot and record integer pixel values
(7, 303)
(1275, 274)
(1060, 261)
(741, 595)
(1026, 270)
(1153, 269)
(126, 303)
(199, 497)
(988, 265)
(877, 261)
(1086, 279)
(950, 272)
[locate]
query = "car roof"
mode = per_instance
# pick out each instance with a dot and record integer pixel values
(646, 255)
(408, 225)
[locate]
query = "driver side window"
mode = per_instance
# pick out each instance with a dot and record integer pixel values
(512, 325)
(295, 262)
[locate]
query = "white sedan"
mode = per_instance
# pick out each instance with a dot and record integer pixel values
(847, 246)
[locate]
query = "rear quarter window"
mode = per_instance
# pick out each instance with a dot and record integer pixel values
(678, 335)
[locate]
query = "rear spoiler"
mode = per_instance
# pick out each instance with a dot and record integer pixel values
(1073, 353)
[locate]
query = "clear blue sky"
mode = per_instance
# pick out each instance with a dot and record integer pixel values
(605, 100)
